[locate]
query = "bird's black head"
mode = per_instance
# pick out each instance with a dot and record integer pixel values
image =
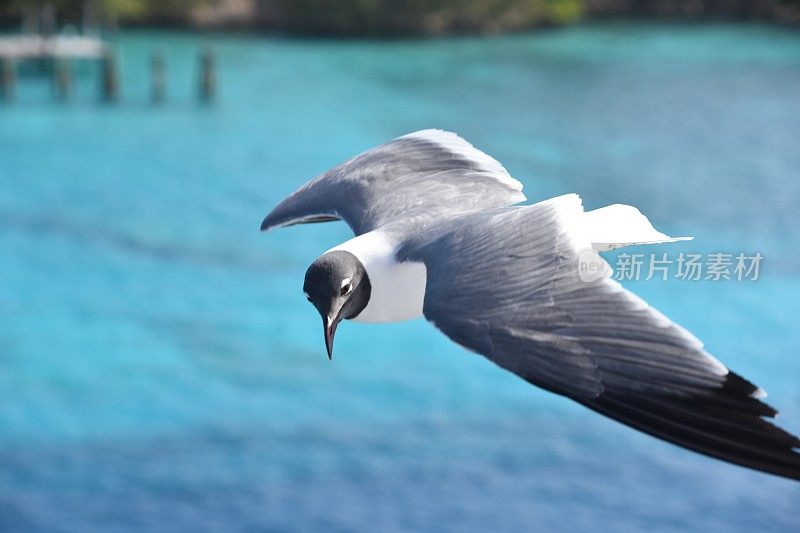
(338, 286)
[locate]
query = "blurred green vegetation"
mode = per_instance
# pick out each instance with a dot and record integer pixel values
(404, 17)
(138, 9)
(422, 16)
(121, 9)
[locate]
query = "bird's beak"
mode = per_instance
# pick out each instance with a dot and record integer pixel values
(329, 325)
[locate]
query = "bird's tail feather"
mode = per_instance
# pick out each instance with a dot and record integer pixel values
(620, 225)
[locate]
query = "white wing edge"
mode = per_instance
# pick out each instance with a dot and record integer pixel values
(453, 143)
(620, 225)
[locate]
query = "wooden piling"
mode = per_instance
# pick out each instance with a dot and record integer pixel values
(8, 78)
(62, 78)
(110, 82)
(208, 76)
(158, 77)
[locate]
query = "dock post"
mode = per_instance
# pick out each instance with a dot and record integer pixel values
(208, 76)
(62, 77)
(158, 77)
(110, 77)
(8, 78)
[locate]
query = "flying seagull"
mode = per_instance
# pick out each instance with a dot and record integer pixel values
(439, 235)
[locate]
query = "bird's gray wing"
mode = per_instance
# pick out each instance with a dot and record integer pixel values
(505, 283)
(419, 176)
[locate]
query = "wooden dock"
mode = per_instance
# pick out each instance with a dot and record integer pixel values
(55, 53)
(22, 47)
(58, 52)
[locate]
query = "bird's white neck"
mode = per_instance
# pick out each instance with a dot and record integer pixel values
(398, 289)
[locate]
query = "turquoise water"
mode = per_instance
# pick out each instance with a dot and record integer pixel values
(160, 368)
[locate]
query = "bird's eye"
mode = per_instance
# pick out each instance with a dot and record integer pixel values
(307, 296)
(347, 286)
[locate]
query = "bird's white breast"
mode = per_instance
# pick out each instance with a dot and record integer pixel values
(398, 289)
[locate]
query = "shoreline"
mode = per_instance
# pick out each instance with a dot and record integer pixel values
(252, 32)
(245, 16)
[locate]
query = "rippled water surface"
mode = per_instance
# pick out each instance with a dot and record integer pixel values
(160, 368)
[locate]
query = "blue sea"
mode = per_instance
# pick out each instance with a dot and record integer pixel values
(161, 370)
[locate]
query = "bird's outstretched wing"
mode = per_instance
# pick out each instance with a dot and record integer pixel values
(505, 283)
(423, 175)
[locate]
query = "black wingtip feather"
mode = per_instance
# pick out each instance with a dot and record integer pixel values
(720, 429)
(737, 387)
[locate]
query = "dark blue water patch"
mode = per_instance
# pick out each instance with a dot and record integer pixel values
(443, 476)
